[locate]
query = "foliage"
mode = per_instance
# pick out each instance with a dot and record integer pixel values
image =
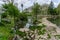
(2, 24)
(21, 20)
(39, 28)
(49, 36)
(11, 9)
(35, 10)
(25, 39)
(51, 8)
(32, 28)
(5, 32)
(23, 16)
(4, 15)
(22, 34)
(58, 9)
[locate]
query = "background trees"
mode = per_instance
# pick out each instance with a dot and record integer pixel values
(51, 8)
(36, 11)
(58, 9)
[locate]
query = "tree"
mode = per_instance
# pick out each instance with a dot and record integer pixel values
(11, 9)
(36, 10)
(44, 9)
(58, 9)
(51, 8)
(20, 18)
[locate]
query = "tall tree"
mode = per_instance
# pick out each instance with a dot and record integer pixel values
(36, 10)
(11, 9)
(51, 8)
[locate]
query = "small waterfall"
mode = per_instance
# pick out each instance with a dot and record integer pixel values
(29, 23)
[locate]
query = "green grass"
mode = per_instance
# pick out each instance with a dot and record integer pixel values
(5, 33)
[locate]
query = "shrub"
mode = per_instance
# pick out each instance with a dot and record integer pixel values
(1, 24)
(22, 34)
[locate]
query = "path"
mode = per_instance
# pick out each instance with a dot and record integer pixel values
(50, 25)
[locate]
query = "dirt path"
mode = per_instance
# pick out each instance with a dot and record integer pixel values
(50, 25)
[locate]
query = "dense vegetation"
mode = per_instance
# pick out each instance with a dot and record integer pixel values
(12, 19)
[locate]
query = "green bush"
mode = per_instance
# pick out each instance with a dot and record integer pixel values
(32, 27)
(39, 28)
(22, 34)
(25, 39)
(4, 15)
(1, 24)
(41, 32)
(49, 36)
